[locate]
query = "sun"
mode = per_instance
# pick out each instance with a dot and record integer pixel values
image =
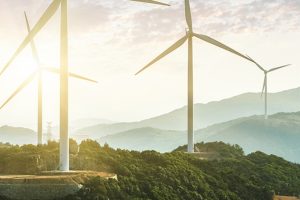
(24, 74)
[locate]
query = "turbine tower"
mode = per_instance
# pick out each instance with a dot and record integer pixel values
(40, 85)
(64, 92)
(189, 36)
(265, 84)
(49, 131)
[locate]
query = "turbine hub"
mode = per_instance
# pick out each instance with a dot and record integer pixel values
(189, 32)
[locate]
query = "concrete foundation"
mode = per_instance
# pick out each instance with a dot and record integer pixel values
(46, 186)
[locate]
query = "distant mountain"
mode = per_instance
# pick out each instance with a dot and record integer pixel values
(16, 135)
(207, 114)
(85, 122)
(144, 139)
(90, 121)
(280, 135)
(77, 124)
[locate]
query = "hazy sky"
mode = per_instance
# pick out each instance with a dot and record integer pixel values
(111, 39)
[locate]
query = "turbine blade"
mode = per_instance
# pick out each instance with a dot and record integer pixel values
(276, 68)
(221, 45)
(39, 25)
(81, 77)
(19, 89)
(151, 1)
(258, 65)
(57, 71)
(188, 15)
(33, 47)
(166, 52)
(264, 86)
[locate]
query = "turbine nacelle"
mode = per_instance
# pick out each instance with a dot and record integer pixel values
(189, 32)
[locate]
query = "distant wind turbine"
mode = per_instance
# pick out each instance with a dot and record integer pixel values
(151, 1)
(265, 84)
(38, 73)
(189, 36)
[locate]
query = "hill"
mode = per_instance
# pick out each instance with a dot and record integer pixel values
(142, 139)
(175, 175)
(280, 135)
(17, 135)
(77, 124)
(218, 150)
(244, 105)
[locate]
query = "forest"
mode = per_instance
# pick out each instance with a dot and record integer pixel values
(152, 175)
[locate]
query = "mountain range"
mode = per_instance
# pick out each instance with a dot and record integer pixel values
(235, 120)
(244, 105)
(279, 135)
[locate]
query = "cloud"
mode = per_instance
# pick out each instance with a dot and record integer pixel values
(216, 17)
(130, 21)
(258, 15)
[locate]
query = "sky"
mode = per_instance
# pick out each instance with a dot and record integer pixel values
(110, 40)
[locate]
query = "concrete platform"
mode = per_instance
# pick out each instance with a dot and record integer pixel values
(47, 185)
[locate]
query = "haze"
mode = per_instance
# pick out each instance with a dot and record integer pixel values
(110, 41)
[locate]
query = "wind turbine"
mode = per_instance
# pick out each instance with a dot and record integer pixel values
(151, 1)
(38, 73)
(265, 84)
(64, 72)
(189, 36)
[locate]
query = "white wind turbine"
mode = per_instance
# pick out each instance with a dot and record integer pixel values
(64, 71)
(189, 36)
(39, 73)
(265, 84)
